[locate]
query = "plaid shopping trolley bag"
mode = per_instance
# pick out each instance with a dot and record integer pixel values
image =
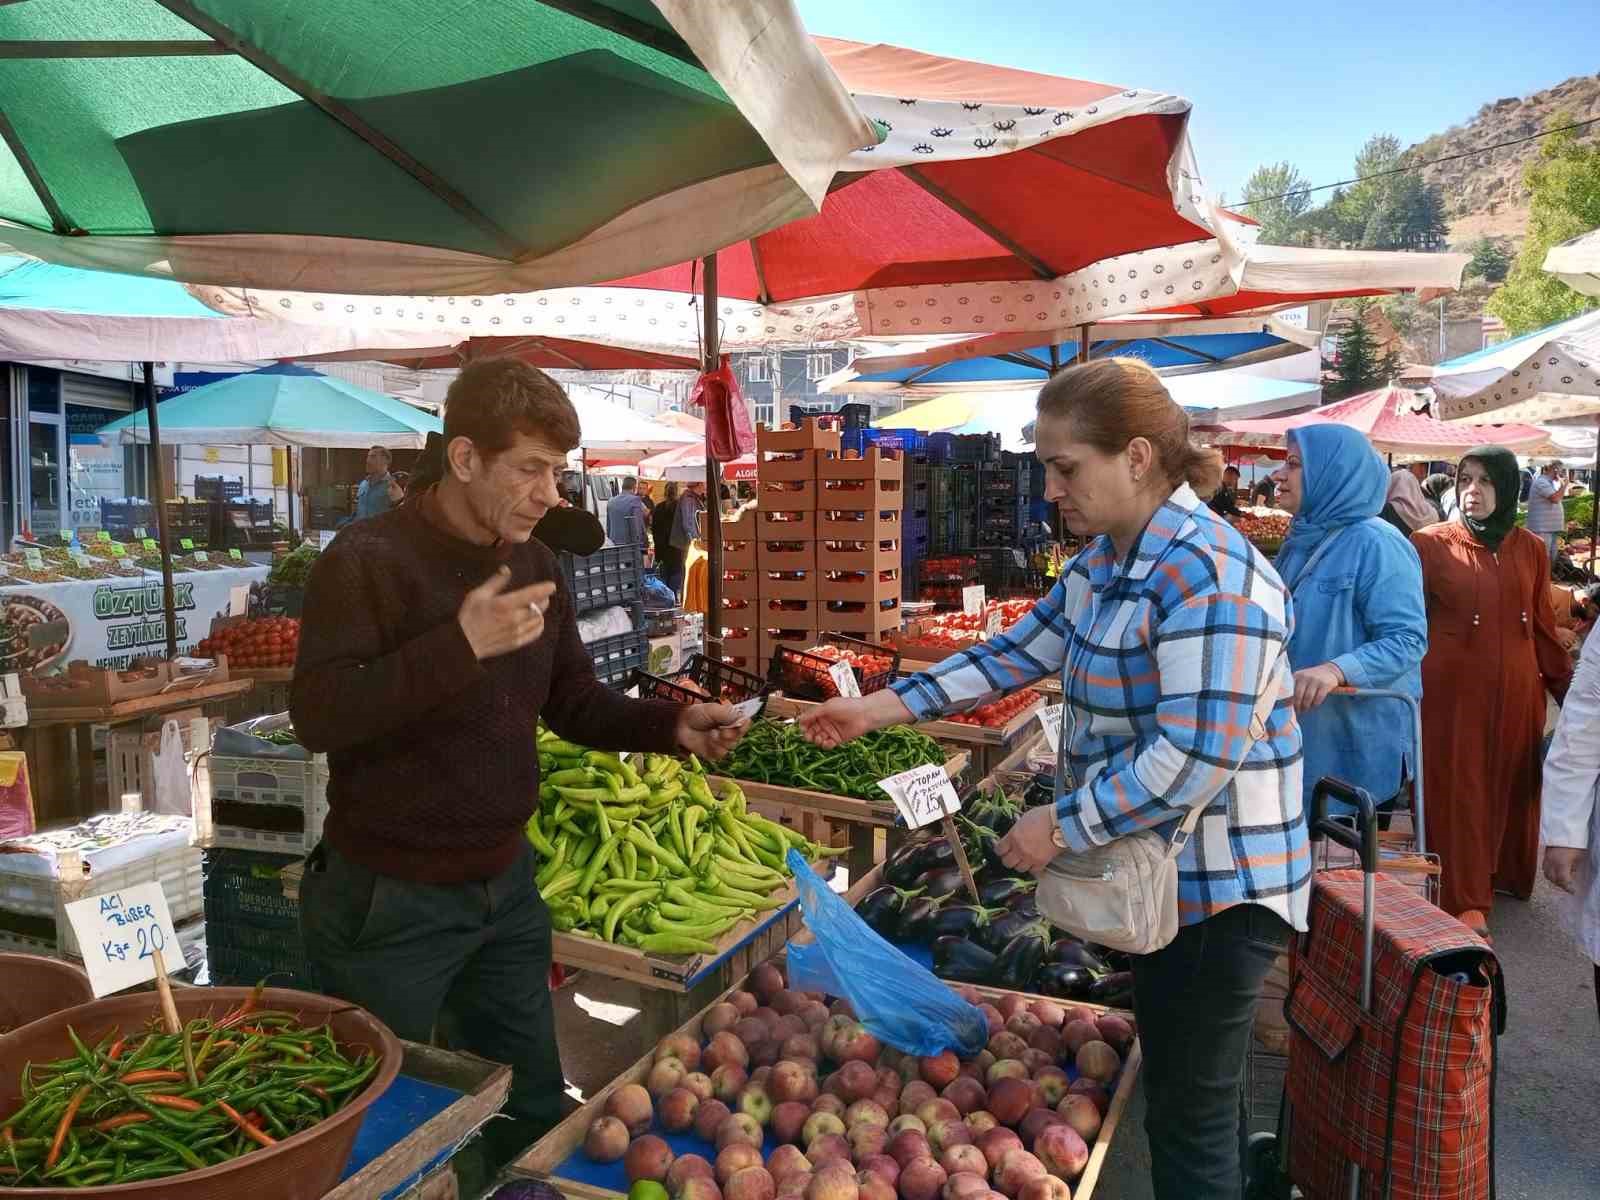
(1394, 1007)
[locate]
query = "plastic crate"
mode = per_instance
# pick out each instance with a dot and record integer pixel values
(282, 965)
(131, 765)
(616, 658)
(244, 885)
(964, 447)
(801, 675)
(33, 907)
(269, 805)
(714, 679)
(606, 578)
(218, 487)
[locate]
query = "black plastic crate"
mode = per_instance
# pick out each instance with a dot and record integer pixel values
(218, 487)
(605, 578)
(719, 680)
(282, 966)
(804, 676)
(617, 658)
(965, 447)
(243, 885)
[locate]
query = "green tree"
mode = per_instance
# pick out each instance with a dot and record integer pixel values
(1361, 367)
(1357, 203)
(1565, 184)
(1489, 262)
(1276, 195)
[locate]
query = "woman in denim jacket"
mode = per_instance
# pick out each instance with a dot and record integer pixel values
(1359, 616)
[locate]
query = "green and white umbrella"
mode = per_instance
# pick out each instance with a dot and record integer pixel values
(399, 146)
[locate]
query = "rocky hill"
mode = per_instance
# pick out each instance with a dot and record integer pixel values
(1484, 196)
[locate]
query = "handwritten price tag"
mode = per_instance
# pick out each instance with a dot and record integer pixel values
(236, 555)
(844, 678)
(922, 795)
(201, 556)
(103, 536)
(972, 599)
(1021, 559)
(119, 933)
(66, 537)
(1050, 720)
(140, 533)
(186, 543)
(991, 623)
(34, 559)
(149, 544)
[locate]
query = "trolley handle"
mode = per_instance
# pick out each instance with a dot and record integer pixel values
(1364, 841)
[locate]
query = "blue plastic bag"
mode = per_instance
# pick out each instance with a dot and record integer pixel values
(900, 1002)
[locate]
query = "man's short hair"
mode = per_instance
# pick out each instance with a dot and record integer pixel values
(495, 399)
(1230, 471)
(383, 450)
(629, 483)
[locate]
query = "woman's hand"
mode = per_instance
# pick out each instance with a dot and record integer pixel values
(710, 730)
(1031, 842)
(1561, 865)
(1314, 685)
(839, 720)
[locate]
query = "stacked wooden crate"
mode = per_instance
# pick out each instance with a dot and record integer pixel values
(786, 512)
(860, 514)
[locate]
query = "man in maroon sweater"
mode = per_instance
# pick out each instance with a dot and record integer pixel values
(434, 638)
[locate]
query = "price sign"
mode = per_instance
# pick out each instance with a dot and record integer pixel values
(127, 564)
(66, 537)
(972, 599)
(201, 556)
(748, 710)
(844, 678)
(104, 535)
(149, 544)
(991, 623)
(1021, 559)
(119, 934)
(34, 559)
(186, 543)
(1050, 720)
(140, 533)
(118, 550)
(325, 538)
(78, 557)
(922, 795)
(236, 554)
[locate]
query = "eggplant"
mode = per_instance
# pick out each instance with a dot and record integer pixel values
(1115, 989)
(942, 881)
(1016, 967)
(1065, 982)
(881, 909)
(916, 920)
(1073, 953)
(1003, 929)
(963, 920)
(903, 866)
(1003, 891)
(1115, 960)
(959, 959)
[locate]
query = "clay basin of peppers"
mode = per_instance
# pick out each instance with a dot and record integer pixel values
(100, 1097)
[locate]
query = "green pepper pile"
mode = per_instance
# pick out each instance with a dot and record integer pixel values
(650, 857)
(157, 1104)
(294, 568)
(776, 752)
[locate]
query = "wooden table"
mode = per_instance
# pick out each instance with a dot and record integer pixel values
(47, 740)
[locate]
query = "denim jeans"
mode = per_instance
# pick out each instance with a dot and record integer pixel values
(1195, 1001)
(472, 959)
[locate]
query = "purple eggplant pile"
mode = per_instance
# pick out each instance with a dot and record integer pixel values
(998, 939)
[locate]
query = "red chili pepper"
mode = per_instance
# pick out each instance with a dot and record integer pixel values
(181, 1103)
(110, 1123)
(258, 1136)
(153, 1076)
(65, 1124)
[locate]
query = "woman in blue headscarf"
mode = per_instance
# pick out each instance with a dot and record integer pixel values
(1359, 616)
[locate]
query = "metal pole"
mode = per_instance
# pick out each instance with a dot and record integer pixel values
(1594, 508)
(1083, 343)
(1055, 359)
(158, 478)
(713, 638)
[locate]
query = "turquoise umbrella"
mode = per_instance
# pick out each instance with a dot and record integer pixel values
(284, 405)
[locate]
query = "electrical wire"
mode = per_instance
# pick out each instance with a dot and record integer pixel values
(1323, 187)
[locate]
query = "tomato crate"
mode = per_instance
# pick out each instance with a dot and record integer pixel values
(786, 556)
(868, 587)
(799, 525)
(804, 676)
(778, 613)
(861, 492)
(739, 555)
(613, 576)
(859, 525)
(809, 436)
(784, 495)
(870, 622)
(788, 585)
(838, 555)
(740, 585)
(270, 805)
(884, 465)
(785, 638)
(701, 679)
(796, 466)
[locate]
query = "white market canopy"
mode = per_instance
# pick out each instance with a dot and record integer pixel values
(616, 433)
(1577, 263)
(1547, 375)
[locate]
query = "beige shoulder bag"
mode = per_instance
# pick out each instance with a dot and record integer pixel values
(1124, 895)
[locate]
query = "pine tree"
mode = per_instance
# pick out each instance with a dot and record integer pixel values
(1359, 362)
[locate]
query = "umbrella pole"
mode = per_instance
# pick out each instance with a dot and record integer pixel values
(1055, 359)
(713, 627)
(1083, 343)
(158, 477)
(1594, 500)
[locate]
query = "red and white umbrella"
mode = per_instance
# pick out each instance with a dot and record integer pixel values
(687, 464)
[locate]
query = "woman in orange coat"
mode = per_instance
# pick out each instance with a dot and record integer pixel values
(1492, 655)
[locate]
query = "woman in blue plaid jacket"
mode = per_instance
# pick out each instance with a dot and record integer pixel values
(1167, 631)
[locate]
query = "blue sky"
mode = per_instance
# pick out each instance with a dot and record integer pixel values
(1303, 82)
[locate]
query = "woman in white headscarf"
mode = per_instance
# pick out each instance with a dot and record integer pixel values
(1570, 818)
(1407, 506)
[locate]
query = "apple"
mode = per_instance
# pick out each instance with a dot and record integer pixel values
(754, 1102)
(907, 1121)
(606, 1141)
(1016, 1168)
(1010, 1004)
(649, 1157)
(678, 1108)
(1010, 1100)
(830, 1147)
(818, 1124)
(788, 1119)
(866, 1140)
(752, 1183)
(631, 1105)
(740, 1127)
(666, 1075)
(1022, 1023)
(700, 1084)
(997, 1143)
(766, 981)
(868, 1112)
(965, 1160)
(792, 1081)
(833, 1181)
(936, 1110)
(727, 1081)
(1035, 1122)
(725, 1049)
(968, 1095)
(980, 1122)
(686, 1167)
(744, 1002)
(964, 1185)
(1117, 1032)
(786, 1159)
(1007, 1045)
(1049, 1013)
(941, 1069)
(996, 1019)
(1007, 1068)
(883, 1166)
(1045, 1187)
(1083, 1114)
(855, 1044)
(1062, 1151)
(915, 1094)
(719, 1018)
(734, 1158)
(857, 1080)
(708, 1118)
(952, 1131)
(800, 1046)
(872, 1186)
(921, 1179)
(904, 1147)
(1076, 1035)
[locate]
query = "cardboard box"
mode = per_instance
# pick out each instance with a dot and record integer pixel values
(743, 529)
(787, 526)
(788, 585)
(847, 524)
(739, 555)
(786, 556)
(796, 639)
(740, 585)
(740, 642)
(869, 622)
(810, 436)
(795, 465)
(867, 493)
(865, 587)
(777, 613)
(874, 464)
(858, 556)
(779, 495)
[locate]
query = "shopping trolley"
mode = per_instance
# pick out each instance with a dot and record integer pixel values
(1393, 1008)
(1402, 855)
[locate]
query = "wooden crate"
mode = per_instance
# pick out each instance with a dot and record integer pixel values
(846, 810)
(86, 686)
(545, 1158)
(859, 556)
(797, 465)
(874, 464)
(797, 555)
(843, 523)
(809, 436)
(786, 495)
